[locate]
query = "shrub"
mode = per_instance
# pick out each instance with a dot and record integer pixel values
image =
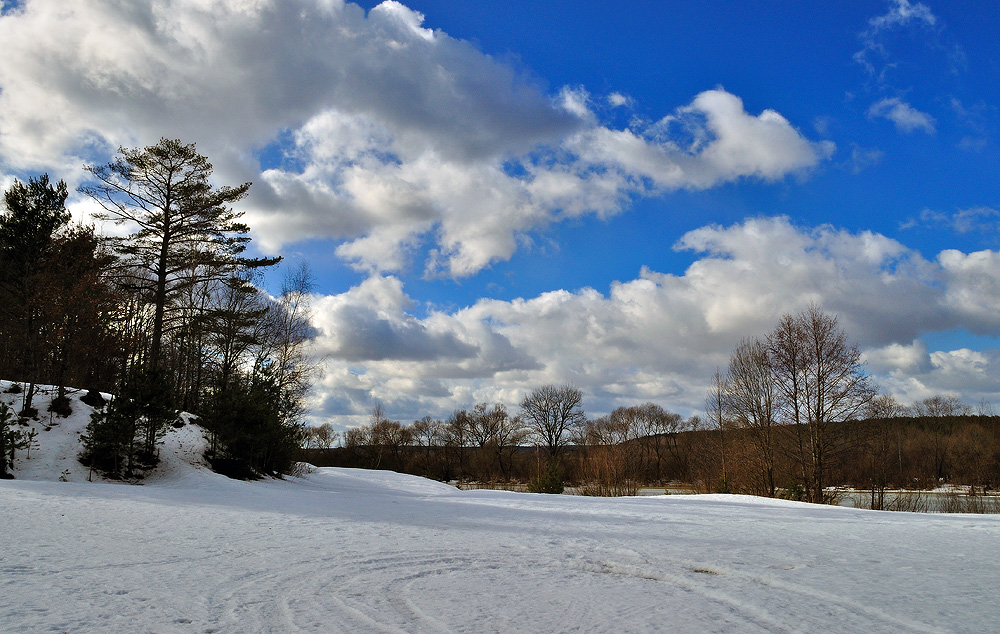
(121, 437)
(93, 398)
(549, 481)
(60, 406)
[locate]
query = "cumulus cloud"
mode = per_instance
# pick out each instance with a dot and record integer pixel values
(911, 373)
(712, 140)
(973, 287)
(397, 194)
(393, 137)
(660, 336)
(905, 117)
(368, 323)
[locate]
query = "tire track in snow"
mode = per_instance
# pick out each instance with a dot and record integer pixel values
(682, 574)
(340, 594)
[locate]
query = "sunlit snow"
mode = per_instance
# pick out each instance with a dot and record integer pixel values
(342, 550)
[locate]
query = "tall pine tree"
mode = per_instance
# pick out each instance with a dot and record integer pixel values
(186, 232)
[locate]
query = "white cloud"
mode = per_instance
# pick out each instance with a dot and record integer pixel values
(979, 219)
(659, 337)
(617, 100)
(863, 158)
(905, 117)
(973, 287)
(901, 14)
(911, 373)
(397, 136)
(721, 142)
(368, 323)
(898, 360)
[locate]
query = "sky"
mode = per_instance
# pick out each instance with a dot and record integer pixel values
(493, 196)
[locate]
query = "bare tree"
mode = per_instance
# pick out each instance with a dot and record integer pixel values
(881, 443)
(790, 360)
(751, 402)
(613, 464)
(389, 438)
(553, 414)
(484, 423)
(936, 415)
(510, 433)
(495, 434)
(321, 437)
(428, 432)
(715, 407)
(456, 439)
(940, 406)
(823, 383)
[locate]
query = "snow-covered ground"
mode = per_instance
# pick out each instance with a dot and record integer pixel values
(341, 550)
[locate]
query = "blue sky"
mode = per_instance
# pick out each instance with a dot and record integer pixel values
(496, 195)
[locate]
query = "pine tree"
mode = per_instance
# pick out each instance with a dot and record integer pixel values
(187, 231)
(121, 437)
(35, 212)
(7, 438)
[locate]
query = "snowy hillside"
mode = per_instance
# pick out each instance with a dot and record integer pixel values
(343, 550)
(53, 455)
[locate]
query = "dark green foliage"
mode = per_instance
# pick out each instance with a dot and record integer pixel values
(7, 438)
(549, 481)
(121, 438)
(250, 436)
(93, 398)
(108, 441)
(35, 212)
(793, 491)
(12, 439)
(61, 406)
(157, 317)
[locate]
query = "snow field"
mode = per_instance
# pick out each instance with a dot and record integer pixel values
(340, 550)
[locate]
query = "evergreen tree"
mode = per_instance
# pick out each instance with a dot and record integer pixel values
(187, 231)
(121, 438)
(8, 438)
(35, 212)
(250, 437)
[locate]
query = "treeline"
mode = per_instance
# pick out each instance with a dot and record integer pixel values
(167, 315)
(914, 450)
(486, 443)
(794, 415)
(549, 442)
